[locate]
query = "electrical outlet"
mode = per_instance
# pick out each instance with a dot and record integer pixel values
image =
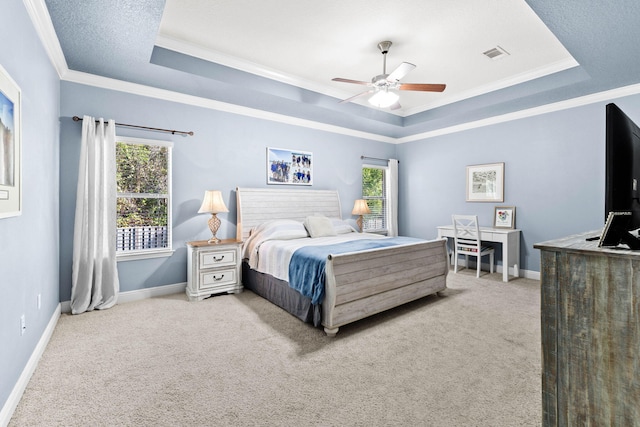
(39, 301)
(23, 325)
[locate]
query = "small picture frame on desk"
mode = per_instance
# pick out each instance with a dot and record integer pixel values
(504, 217)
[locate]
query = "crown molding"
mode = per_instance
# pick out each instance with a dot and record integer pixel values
(552, 68)
(39, 14)
(530, 112)
(209, 55)
(280, 76)
(167, 95)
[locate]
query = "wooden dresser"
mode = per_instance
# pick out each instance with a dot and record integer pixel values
(590, 307)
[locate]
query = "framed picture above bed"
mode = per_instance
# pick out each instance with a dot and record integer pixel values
(289, 167)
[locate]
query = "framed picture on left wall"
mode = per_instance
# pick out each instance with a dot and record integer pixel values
(10, 147)
(293, 167)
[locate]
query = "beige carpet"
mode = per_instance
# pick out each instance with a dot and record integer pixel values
(468, 358)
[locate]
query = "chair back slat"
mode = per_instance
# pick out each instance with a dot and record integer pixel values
(466, 232)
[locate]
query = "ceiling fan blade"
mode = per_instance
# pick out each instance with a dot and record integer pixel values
(358, 82)
(424, 87)
(356, 96)
(402, 70)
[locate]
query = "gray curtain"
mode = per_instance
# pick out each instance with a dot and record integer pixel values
(95, 276)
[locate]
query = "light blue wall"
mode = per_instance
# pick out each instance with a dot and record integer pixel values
(554, 175)
(227, 151)
(29, 243)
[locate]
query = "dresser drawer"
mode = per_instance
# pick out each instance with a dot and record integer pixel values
(212, 279)
(218, 258)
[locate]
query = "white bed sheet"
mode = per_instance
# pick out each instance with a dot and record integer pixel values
(273, 256)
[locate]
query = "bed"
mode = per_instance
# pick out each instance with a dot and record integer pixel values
(357, 283)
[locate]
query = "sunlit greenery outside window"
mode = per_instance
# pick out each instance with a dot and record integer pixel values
(143, 178)
(374, 191)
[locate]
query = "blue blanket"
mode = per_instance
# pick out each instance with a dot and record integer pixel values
(307, 266)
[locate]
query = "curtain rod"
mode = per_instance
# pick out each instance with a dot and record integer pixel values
(173, 132)
(375, 158)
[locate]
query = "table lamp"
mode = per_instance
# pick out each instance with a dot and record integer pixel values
(213, 204)
(360, 208)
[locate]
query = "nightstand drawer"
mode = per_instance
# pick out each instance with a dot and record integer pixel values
(218, 258)
(211, 279)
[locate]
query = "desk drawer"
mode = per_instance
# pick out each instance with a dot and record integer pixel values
(486, 236)
(212, 279)
(218, 259)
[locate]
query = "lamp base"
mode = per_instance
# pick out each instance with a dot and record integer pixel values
(214, 224)
(359, 223)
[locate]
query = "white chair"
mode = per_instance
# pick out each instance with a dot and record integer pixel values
(467, 241)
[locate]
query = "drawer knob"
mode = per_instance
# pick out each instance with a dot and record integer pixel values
(217, 279)
(218, 259)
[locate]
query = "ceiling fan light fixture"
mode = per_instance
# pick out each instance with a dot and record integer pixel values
(384, 98)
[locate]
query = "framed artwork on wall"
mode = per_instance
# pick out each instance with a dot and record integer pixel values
(10, 147)
(289, 167)
(485, 183)
(504, 217)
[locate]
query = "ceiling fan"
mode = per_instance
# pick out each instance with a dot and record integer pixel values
(383, 86)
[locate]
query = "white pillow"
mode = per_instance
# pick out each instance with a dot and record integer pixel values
(342, 227)
(280, 229)
(319, 226)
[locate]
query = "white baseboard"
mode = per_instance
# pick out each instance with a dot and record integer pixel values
(18, 390)
(139, 294)
(527, 274)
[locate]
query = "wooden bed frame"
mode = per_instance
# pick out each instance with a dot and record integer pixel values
(358, 284)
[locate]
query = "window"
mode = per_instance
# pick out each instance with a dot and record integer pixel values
(143, 179)
(374, 191)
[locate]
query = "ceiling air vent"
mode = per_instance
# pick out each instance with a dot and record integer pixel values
(495, 53)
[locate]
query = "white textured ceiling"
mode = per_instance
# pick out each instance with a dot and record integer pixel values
(308, 42)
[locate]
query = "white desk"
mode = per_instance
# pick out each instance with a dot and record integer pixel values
(510, 240)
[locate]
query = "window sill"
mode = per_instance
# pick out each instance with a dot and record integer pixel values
(136, 255)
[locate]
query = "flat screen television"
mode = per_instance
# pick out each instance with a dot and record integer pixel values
(622, 203)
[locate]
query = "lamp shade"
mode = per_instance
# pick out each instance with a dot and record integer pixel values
(360, 207)
(384, 98)
(212, 202)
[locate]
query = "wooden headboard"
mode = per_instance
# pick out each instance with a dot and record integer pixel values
(257, 205)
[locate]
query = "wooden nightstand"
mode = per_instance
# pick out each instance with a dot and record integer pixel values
(213, 268)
